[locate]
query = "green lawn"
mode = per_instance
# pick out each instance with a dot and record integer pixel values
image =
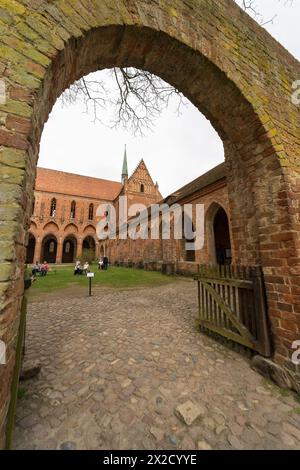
(61, 277)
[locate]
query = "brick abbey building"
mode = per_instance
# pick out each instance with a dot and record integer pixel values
(171, 255)
(64, 217)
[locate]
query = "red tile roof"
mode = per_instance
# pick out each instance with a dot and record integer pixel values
(76, 185)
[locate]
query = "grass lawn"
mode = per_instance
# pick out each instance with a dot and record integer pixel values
(61, 277)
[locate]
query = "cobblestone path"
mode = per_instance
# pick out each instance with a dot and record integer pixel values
(115, 367)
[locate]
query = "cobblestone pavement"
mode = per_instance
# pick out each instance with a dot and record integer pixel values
(117, 366)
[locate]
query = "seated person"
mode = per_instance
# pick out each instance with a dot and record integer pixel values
(78, 268)
(36, 268)
(44, 268)
(86, 268)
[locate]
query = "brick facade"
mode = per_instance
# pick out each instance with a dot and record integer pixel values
(65, 211)
(230, 68)
(211, 191)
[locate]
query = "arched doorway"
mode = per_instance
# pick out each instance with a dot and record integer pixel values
(69, 250)
(90, 245)
(49, 249)
(30, 249)
(189, 254)
(222, 238)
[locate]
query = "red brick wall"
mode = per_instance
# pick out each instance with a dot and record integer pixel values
(172, 251)
(62, 225)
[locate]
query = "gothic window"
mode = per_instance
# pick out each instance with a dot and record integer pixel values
(68, 246)
(142, 188)
(53, 207)
(91, 212)
(73, 210)
(33, 204)
(51, 247)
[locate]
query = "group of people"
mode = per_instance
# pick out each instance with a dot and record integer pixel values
(103, 263)
(40, 269)
(79, 269)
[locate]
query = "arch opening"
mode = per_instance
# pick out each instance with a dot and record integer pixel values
(89, 245)
(222, 244)
(226, 108)
(30, 249)
(49, 249)
(69, 250)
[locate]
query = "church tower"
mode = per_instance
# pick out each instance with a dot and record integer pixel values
(125, 168)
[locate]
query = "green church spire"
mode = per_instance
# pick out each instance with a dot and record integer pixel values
(125, 166)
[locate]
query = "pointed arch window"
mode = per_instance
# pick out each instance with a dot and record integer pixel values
(53, 207)
(91, 212)
(73, 210)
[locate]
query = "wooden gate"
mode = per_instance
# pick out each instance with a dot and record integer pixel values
(232, 304)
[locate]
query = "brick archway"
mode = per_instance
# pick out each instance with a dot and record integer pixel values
(89, 244)
(49, 249)
(222, 243)
(30, 249)
(69, 249)
(206, 50)
(210, 239)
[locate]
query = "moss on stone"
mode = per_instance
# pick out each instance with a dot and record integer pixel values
(13, 157)
(6, 270)
(173, 12)
(23, 78)
(18, 108)
(13, 7)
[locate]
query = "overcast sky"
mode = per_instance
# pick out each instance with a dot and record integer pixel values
(177, 151)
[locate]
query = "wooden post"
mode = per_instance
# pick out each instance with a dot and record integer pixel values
(261, 312)
(199, 293)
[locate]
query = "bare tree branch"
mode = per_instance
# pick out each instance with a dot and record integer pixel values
(134, 101)
(251, 7)
(135, 98)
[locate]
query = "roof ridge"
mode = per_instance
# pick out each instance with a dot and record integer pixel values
(79, 175)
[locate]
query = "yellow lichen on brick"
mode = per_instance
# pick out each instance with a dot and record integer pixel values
(173, 12)
(13, 7)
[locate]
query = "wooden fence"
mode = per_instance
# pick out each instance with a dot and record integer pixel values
(232, 304)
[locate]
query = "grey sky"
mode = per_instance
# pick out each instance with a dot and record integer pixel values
(177, 151)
